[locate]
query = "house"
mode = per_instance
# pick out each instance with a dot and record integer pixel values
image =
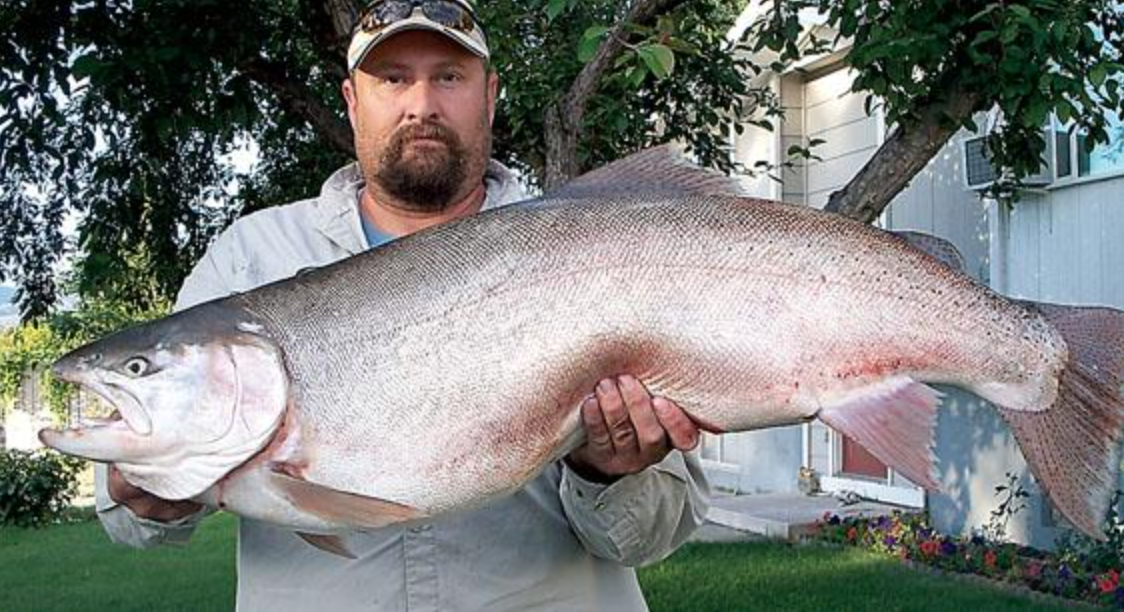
(1062, 242)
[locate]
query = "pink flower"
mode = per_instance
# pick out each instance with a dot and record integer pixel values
(930, 548)
(989, 559)
(1108, 581)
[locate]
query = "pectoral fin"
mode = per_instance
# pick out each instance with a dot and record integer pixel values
(330, 543)
(340, 507)
(894, 419)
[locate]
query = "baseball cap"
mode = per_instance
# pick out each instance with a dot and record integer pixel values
(385, 18)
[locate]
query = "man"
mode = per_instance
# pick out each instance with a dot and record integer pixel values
(421, 101)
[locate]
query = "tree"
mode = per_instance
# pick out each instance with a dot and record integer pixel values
(935, 64)
(123, 113)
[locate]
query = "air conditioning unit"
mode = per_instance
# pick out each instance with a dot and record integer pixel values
(979, 174)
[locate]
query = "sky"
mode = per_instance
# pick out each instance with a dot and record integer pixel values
(9, 313)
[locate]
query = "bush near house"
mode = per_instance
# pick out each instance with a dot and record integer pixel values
(36, 487)
(1082, 568)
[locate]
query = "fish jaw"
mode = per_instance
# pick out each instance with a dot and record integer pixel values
(197, 394)
(109, 441)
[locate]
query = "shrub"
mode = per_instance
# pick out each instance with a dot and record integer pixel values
(35, 487)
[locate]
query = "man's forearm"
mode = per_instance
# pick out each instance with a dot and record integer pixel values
(123, 526)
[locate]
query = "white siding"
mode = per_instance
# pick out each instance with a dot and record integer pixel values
(1068, 245)
(937, 203)
(837, 116)
(793, 178)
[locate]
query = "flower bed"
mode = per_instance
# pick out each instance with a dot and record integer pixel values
(1081, 569)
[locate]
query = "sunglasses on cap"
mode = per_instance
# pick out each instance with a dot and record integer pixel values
(382, 13)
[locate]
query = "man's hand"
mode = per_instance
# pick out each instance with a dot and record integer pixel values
(145, 504)
(628, 430)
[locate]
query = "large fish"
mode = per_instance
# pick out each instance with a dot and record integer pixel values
(446, 369)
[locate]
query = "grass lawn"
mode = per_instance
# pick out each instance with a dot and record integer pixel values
(74, 567)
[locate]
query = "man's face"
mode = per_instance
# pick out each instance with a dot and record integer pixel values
(421, 106)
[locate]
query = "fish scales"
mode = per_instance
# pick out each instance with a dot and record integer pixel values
(521, 312)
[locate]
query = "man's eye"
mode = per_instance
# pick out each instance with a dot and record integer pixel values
(450, 77)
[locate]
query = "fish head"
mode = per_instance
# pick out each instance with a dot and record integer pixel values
(195, 395)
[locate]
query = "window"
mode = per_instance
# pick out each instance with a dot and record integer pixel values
(1105, 158)
(1070, 151)
(1063, 157)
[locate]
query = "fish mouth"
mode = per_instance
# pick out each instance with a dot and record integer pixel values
(120, 437)
(128, 412)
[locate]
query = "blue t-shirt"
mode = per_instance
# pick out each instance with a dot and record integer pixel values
(374, 236)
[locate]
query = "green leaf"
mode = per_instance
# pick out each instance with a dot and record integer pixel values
(659, 59)
(681, 46)
(985, 36)
(1064, 111)
(1098, 75)
(555, 8)
(635, 75)
(590, 42)
(87, 66)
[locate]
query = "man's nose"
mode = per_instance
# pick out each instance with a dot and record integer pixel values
(421, 102)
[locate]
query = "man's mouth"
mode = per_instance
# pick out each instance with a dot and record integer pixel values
(429, 140)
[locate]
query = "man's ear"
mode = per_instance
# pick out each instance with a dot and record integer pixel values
(493, 91)
(348, 88)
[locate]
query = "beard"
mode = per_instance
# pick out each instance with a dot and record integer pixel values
(425, 177)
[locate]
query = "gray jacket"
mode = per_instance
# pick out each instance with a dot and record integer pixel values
(561, 543)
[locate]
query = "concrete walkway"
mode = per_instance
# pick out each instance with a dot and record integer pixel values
(788, 516)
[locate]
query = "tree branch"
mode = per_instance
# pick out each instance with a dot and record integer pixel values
(331, 22)
(906, 152)
(563, 119)
(299, 99)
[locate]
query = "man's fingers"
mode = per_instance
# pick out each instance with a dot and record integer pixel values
(616, 416)
(596, 431)
(680, 429)
(649, 432)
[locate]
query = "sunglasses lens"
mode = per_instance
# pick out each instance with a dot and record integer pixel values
(385, 13)
(444, 12)
(448, 14)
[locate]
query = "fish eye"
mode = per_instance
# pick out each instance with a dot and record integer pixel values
(137, 366)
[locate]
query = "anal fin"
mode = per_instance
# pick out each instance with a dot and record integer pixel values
(341, 507)
(894, 419)
(330, 543)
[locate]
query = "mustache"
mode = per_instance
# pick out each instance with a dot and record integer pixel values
(427, 130)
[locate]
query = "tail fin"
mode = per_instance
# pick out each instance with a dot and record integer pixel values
(1072, 446)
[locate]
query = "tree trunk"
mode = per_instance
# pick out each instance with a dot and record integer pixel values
(299, 99)
(905, 153)
(563, 120)
(331, 22)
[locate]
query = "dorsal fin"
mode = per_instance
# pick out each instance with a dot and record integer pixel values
(663, 170)
(938, 248)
